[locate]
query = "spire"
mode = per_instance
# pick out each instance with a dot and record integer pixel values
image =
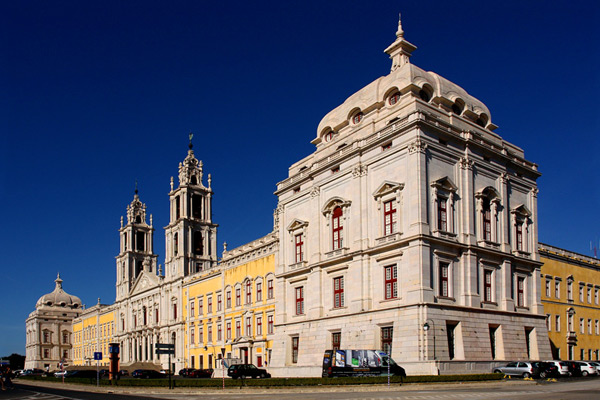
(58, 282)
(401, 50)
(191, 137)
(136, 210)
(190, 170)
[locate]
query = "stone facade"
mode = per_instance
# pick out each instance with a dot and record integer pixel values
(411, 213)
(49, 329)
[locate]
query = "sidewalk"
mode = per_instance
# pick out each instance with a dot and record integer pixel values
(257, 390)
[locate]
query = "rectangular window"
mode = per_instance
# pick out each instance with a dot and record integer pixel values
(337, 228)
(589, 326)
(336, 340)
(487, 221)
(209, 333)
(219, 332)
(597, 323)
(521, 292)
(442, 214)
(488, 286)
(219, 302)
(391, 282)
(569, 290)
(389, 217)
(249, 326)
(596, 295)
(581, 327)
(519, 236)
(238, 297)
(589, 295)
(581, 290)
(295, 343)
(192, 334)
(258, 291)
(270, 289)
(238, 329)
(451, 333)
(548, 322)
(192, 308)
(444, 288)
(557, 289)
(338, 292)
(228, 299)
(248, 292)
(270, 324)
(209, 304)
(200, 335)
(258, 326)
(200, 306)
(300, 300)
(493, 341)
(548, 288)
(299, 244)
(387, 334)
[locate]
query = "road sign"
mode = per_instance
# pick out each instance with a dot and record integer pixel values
(159, 351)
(113, 349)
(165, 346)
(97, 355)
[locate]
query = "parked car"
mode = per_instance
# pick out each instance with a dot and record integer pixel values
(359, 363)
(516, 368)
(33, 372)
(563, 367)
(124, 372)
(147, 374)
(201, 373)
(574, 368)
(247, 371)
(587, 368)
(543, 369)
(83, 373)
(18, 372)
(186, 372)
(59, 374)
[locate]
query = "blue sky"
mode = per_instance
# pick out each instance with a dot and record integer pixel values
(96, 95)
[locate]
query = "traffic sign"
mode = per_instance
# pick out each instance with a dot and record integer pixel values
(159, 351)
(165, 346)
(97, 355)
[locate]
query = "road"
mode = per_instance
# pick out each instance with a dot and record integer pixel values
(580, 389)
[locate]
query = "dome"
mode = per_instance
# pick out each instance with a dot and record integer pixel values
(59, 298)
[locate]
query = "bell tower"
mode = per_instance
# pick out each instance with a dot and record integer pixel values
(191, 236)
(136, 247)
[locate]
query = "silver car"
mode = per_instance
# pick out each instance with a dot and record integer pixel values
(516, 368)
(587, 368)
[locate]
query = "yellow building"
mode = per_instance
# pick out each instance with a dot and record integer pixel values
(93, 330)
(570, 295)
(230, 310)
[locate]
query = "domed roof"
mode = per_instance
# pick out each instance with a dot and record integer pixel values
(59, 298)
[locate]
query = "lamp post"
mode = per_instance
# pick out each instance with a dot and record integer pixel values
(426, 328)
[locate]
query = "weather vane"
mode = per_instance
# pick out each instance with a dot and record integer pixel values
(191, 136)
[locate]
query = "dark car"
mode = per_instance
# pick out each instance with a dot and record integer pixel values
(574, 368)
(33, 372)
(147, 374)
(186, 372)
(124, 372)
(201, 373)
(83, 373)
(545, 370)
(247, 371)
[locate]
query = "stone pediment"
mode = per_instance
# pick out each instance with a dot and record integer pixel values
(296, 224)
(445, 183)
(522, 210)
(145, 281)
(387, 187)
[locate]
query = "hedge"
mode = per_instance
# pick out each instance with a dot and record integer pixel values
(280, 382)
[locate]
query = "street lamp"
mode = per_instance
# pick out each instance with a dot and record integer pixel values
(426, 328)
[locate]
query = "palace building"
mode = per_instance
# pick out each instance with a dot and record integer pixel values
(411, 228)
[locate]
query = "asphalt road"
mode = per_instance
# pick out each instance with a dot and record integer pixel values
(579, 389)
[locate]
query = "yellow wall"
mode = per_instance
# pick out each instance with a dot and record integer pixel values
(561, 267)
(92, 332)
(218, 283)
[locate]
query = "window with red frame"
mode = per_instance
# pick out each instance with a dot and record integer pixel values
(387, 334)
(336, 340)
(295, 343)
(337, 228)
(520, 292)
(270, 324)
(209, 333)
(488, 286)
(258, 291)
(519, 237)
(442, 214)
(270, 289)
(219, 332)
(228, 304)
(219, 302)
(192, 308)
(328, 136)
(389, 217)
(487, 220)
(299, 248)
(248, 292)
(248, 326)
(200, 306)
(391, 282)
(209, 305)
(444, 267)
(228, 330)
(258, 326)
(175, 311)
(338, 292)
(238, 297)
(357, 118)
(238, 329)
(394, 98)
(200, 335)
(192, 334)
(300, 300)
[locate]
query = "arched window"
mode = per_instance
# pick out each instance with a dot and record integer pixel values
(394, 98)
(198, 245)
(357, 118)
(175, 243)
(337, 228)
(424, 95)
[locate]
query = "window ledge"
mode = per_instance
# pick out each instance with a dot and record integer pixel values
(521, 253)
(489, 244)
(387, 300)
(337, 252)
(521, 308)
(444, 234)
(298, 265)
(446, 299)
(489, 304)
(389, 238)
(338, 308)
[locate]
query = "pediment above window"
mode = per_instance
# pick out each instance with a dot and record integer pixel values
(387, 187)
(488, 192)
(334, 202)
(297, 224)
(444, 184)
(521, 210)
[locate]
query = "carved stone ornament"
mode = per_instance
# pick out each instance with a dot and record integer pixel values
(314, 192)
(190, 171)
(359, 170)
(466, 163)
(417, 146)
